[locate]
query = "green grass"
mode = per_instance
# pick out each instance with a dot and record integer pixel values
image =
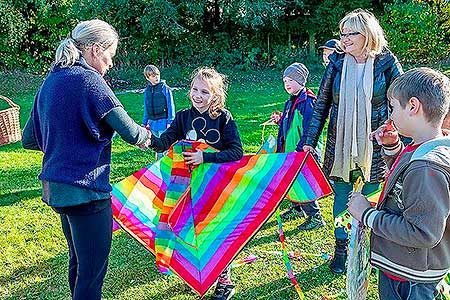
(33, 253)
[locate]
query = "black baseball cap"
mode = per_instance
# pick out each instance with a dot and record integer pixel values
(331, 44)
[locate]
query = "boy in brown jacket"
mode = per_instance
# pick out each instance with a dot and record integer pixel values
(410, 237)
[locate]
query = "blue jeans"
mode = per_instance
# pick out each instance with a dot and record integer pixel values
(89, 239)
(342, 190)
(311, 209)
(158, 133)
(390, 289)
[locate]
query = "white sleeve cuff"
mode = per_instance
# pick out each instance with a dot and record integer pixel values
(392, 150)
(368, 217)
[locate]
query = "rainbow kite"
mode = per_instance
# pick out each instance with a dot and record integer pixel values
(195, 221)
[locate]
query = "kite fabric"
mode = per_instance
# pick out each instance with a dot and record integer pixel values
(297, 192)
(195, 221)
(444, 287)
(344, 219)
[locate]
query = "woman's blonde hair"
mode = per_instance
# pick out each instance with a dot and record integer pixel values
(365, 23)
(84, 35)
(217, 83)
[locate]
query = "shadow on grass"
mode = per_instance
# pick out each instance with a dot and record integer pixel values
(178, 288)
(10, 198)
(273, 237)
(51, 283)
(48, 278)
(282, 288)
(11, 147)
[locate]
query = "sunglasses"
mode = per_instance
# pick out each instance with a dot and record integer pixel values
(349, 34)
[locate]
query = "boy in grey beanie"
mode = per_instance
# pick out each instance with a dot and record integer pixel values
(293, 123)
(297, 72)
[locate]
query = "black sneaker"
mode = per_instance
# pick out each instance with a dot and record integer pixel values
(292, 214)
(311, 223)
(223, 291)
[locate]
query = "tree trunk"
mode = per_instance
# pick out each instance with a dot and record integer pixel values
(216, 15)
(312, 44)
(289, 41)
(268, 49)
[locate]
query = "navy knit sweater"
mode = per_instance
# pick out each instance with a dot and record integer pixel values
(66, 119)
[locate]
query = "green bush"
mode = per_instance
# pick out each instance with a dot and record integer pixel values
(12, 31)
(30, 31)
(414, 31)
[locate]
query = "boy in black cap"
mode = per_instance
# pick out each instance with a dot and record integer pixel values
(293, 123)
(328, 48)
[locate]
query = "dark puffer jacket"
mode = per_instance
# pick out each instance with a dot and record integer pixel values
(386, 69)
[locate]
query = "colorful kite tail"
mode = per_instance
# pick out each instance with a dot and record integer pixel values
(287, 262)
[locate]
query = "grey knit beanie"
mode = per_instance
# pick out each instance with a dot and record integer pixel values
(297, 72)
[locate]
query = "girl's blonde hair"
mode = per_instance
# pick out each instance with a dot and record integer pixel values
(218, 85)
(365, 23)
(84, 35)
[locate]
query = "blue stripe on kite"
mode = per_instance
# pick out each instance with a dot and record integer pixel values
(305, 187)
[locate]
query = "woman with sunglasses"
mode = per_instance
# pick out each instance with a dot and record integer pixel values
(72, 122)
(353, 94)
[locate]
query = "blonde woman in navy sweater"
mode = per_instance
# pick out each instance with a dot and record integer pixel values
(72, 122)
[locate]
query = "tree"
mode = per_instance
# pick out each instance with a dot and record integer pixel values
(415, 31)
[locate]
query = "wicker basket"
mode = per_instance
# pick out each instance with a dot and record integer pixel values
(9, 123)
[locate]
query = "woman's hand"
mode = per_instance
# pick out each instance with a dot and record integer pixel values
(193, 158)
(147, 142)
(386, 134)
(309, 149)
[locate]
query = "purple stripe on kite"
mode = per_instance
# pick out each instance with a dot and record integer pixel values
(177, 179)
(312, 182)
(178, 188)
(217, 174)
(187, 265)
(116, 202)
(156, 180)
(185, 217)
(144, 227)
(139, 173)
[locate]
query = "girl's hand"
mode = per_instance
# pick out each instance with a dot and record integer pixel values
(386, 134)
(193, 158)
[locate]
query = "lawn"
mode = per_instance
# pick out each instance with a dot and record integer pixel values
(33, 256)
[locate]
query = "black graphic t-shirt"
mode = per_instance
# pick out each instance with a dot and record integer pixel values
(220, 133)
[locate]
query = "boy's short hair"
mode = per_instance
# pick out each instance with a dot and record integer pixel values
(431, 87)
(150, 70)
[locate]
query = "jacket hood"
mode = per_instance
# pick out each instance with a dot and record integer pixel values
(436, 151)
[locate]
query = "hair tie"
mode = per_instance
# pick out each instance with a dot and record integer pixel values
(71, 37)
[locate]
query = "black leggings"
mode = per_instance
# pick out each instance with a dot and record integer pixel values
(88, 231)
